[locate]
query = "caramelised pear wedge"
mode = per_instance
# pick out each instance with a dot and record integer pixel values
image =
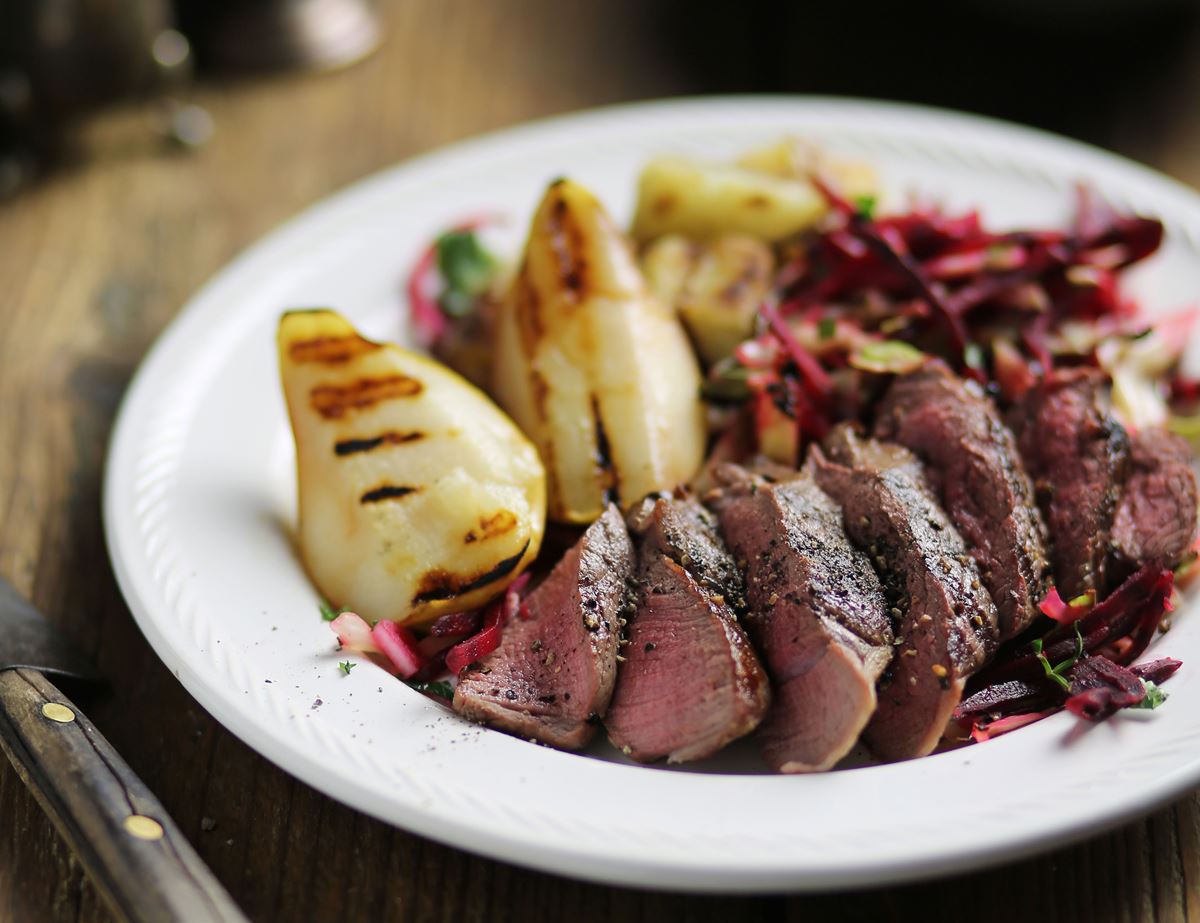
(592, 367)
(418, 496)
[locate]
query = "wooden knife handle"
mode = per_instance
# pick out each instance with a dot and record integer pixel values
(130, 847)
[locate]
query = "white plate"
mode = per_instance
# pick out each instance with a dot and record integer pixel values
(199, 507)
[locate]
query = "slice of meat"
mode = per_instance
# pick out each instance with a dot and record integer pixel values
(971, 461)
(683, 530)
(552, 676)
(1077, 454)
(817, 612)
(690, 682)
(1156, 517)
(946, 621)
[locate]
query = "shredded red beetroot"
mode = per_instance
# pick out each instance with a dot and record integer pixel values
(353, 633)
(399, 645)
(1134, 609)
(986, 730)
(1111, 635)
(891, 247)
(457, 624)
(428, 321)
(487, 639)
(1012, 697)
(816, 379)
(1100, 688)
(1063, 612)
(1145, 614)
(433, 668)
(1055, 607)
(1184, 390)
(478, 645)
(924, 283)
(1157, 671)
(973, 283)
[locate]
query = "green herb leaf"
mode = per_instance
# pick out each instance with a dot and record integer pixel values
(887, 356)
(466, 269)
(328, 613)
(1058, 672)
(440, 688)
(724, 391)
(865, 206)
(1050, 674)
(1154, 696)
(1063, 667)
(455, 303)
(1084, 600)
(346, 666)
(726, 383)
(827, 328)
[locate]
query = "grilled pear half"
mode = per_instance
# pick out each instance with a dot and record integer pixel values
(418, 496)
(595, 369)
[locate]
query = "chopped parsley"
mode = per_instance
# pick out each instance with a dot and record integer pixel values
(466, 269)
(346, 666)
(1154, 696)
(865, 207)
(328, 612)
(1058, 672)
(827, 328)
(726, 383)
(1084, 600)
(440, 688)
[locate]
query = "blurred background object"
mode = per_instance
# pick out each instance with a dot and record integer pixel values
(1107, 71)
(1100, 70)
(61, 59)
(262, 35)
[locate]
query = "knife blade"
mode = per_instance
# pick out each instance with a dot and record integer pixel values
(133, 851)
(28, 640)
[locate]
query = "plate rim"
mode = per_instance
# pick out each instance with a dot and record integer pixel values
(515, 848)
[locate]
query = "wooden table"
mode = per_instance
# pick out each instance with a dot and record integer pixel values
(94, 262)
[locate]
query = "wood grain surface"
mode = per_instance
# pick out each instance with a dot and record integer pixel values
(97, 258)
(130, 847)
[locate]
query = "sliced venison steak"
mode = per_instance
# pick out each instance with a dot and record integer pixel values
(817, 612)
(946, 620)
(691, 682)
(552, 676)
(1156, 517)
(685, 531)
(1077, 454)
(971, 461)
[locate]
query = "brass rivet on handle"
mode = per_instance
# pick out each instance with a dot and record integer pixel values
(143, 827)
(56, 712)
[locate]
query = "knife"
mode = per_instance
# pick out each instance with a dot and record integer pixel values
(134, 853)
